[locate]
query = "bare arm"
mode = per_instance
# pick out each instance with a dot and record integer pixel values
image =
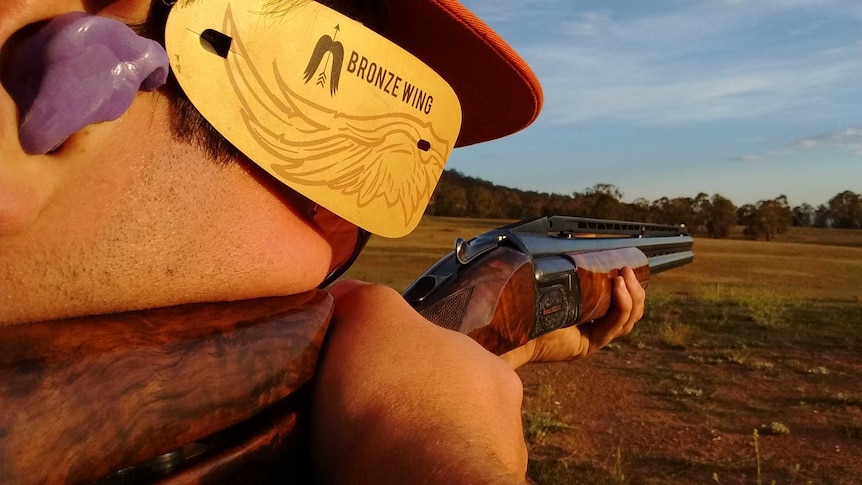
(402, 401)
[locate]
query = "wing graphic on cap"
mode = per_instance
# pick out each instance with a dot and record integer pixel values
(372, 159)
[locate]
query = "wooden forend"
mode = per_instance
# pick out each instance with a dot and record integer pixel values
(596, 271)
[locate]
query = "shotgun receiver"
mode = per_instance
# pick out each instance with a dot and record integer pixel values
(523, 280)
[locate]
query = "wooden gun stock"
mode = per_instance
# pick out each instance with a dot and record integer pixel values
(84, 398)
(521, 281)
(493, 303)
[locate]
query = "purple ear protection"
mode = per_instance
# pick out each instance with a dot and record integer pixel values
(77, 70)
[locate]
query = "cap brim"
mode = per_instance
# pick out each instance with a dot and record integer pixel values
(499, 93)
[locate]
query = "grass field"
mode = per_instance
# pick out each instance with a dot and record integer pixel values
(753, 335)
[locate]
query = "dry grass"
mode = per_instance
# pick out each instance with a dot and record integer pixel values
(792, 269)
(814, 235)
(674, 334)
(543, 417)
(753, 309)
(805, 268)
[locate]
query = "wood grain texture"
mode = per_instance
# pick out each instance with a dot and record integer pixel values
(596, 271)
(494, 299)
(84, 397)
(270, 448)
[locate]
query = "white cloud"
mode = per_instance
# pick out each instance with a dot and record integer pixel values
(497, 13)
(642, 89)
(848, 140)
(701, 62)
(589, 24)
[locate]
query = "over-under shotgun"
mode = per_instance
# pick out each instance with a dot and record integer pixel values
(217, 393)
(520, 281)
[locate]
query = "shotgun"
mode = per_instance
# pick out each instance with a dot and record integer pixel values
(522, 280)
(219, 392)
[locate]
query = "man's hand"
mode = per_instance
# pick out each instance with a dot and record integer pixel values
(398, 400)
(627, 307)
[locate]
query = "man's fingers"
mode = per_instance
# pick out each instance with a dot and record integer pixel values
(627, 307)
(636, 296)
(605, 329)
(621, 306)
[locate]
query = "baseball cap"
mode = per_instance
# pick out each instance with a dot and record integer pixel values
(499, 93)
(358, 120)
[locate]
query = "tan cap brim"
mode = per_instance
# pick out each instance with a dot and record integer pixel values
(499, 93)
(369, 138)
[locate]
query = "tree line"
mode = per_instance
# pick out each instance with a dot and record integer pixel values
(458, 195)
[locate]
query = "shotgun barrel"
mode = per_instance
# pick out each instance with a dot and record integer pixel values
(525, 279)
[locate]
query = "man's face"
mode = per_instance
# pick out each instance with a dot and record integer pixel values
(122, 216)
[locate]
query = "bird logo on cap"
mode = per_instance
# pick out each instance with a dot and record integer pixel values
(329, 49)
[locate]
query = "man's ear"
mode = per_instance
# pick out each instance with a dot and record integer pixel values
(28, 183)
(25, 189)
(87, 69)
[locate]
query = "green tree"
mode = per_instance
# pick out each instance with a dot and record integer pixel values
(448, 200)
(701, 207)
(511, 204)
(601, 201)
(822, 216)
(639, 210)
(846, 210)
(533, 204)
(610, 190)
(481, 202)
(803, 215)
(767, 219)
(720, 216)
(675, 211)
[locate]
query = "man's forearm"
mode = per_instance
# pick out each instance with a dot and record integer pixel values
(398, 399)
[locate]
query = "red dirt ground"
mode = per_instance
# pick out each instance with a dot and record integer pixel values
(687, 417)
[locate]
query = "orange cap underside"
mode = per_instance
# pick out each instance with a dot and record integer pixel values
(499, 93)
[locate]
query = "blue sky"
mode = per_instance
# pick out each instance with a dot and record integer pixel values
(750, 99)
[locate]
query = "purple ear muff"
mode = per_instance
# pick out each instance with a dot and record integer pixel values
(77, 70)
